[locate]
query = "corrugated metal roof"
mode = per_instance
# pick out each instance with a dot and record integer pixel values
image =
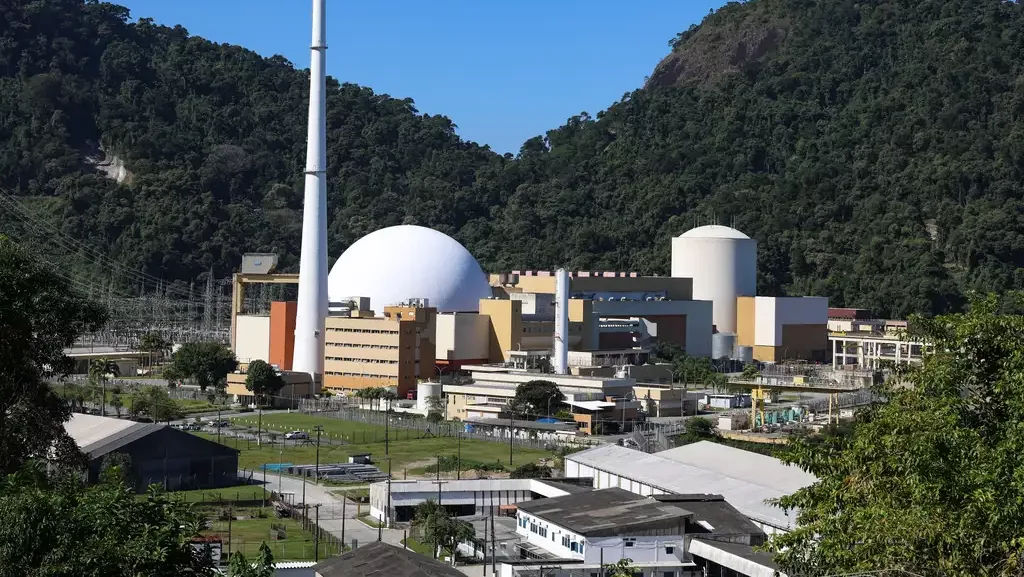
(97, 436)
(739, 464)
(747, 495)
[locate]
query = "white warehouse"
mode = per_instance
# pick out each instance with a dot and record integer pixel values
(746, 480)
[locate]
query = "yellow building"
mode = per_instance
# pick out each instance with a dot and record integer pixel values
(394, 350)
(297, 386)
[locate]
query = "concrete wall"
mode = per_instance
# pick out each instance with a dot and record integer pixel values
(252, 341)
(462, 336)
(506, 327)
(282, 334)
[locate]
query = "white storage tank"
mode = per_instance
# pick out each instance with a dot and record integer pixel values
(425, 390)
(722, 262)
(723, 345)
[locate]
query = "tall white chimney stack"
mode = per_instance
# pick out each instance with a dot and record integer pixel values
(311, 311)
(561, 361)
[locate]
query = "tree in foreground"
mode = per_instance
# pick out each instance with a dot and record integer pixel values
(930, 481)
(262, 380)
(263, 566)
(208, 364)
(531, 471)
(435, 409)
(60, 529)
(539, 397)
(155, 403)
(440, 529)
(41, 315)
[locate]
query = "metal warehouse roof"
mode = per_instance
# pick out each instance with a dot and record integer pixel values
(97, 436)
(746, 492)
(607, 512)
(740, 464)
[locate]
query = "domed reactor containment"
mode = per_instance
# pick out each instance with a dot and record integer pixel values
(398, 263)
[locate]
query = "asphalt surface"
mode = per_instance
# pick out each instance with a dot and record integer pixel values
(331, 518)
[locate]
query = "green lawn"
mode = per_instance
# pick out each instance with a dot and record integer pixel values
(247, 535)
(414, 454)
(225, 495)
(421, 548)
(332, 428)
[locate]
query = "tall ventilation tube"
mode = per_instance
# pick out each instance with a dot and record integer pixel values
(561, 361)
(311, 310)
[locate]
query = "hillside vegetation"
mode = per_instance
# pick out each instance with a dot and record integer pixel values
(873, 148)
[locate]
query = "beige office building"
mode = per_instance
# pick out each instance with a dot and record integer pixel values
(394, 350)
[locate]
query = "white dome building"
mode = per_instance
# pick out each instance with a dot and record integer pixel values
(722, 262)
(392, 265)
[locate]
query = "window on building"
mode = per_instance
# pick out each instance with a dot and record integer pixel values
(668, 574)
(543, 532)
(533, 527)
(629, 542)
(565, 541)
(669, 550)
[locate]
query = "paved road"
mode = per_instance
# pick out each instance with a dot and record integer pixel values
(331, 511)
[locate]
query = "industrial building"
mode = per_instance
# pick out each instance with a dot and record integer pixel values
(159, 454)
(408, 304)
(857, 340)
(466, 497)
(745, 479)
(601, 527)
(297, 386)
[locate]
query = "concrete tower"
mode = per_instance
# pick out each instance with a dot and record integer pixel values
(311, 312)
(561, 360)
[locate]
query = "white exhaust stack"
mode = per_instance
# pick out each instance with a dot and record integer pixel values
(311, 310)
(561, 361)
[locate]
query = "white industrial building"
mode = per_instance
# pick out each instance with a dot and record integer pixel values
(464, 497)
(601, 527)
(746, 480)
(722, 262)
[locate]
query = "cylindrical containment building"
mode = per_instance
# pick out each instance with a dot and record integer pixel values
(723, 345)
(722, 262)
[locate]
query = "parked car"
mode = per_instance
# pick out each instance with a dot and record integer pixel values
(295, 435)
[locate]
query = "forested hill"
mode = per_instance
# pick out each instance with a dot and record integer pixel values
(873, 148)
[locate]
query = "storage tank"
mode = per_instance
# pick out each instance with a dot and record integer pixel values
(425, 390)
(745, 354)
(722, 345)
(722, 262)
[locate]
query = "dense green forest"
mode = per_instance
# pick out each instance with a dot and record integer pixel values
(874, 148)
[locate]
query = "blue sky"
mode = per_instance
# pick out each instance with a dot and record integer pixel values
(503, 71)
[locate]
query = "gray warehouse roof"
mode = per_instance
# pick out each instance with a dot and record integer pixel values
(97, 436)
(746, 488)
(382, 560)
(605, 512)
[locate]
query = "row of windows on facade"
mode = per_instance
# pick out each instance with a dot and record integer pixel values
(363, 375)
(364, 346)
(574, 546)
(365, 331)
(367, 361)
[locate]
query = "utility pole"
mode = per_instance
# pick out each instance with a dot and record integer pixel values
(231, 515)
(511, 424)
(458, 465)
(387, 513)
(316, 535)
(387, 431)
(259, 420)
(218, 424)
(344, 500)
(319, 429)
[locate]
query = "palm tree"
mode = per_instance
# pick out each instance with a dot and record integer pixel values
(98, 371)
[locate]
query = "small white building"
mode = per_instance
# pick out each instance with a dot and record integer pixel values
(602, 527)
